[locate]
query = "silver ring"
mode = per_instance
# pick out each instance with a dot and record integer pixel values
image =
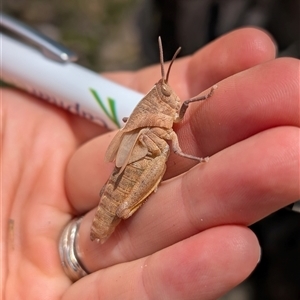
(68, 253)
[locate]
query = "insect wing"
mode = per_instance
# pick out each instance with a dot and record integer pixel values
(130, 150)
(112, 150)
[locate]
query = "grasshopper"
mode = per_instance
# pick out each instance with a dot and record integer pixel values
(140, 151)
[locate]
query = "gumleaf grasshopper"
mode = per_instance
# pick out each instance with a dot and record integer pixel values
(140, 151)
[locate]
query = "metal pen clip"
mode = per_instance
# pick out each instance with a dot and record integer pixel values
(296, 206)
(50, 48)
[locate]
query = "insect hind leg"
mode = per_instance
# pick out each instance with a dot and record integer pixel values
(124, 211)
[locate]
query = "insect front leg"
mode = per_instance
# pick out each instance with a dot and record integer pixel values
(186, 103)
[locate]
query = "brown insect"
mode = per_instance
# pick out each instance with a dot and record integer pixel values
(140, 151)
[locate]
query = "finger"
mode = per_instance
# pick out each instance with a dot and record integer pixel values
(240, 185)
(191, 269)
(87, 172)
(254, 100)
(230, 54)
(76, 129)
(235, 112)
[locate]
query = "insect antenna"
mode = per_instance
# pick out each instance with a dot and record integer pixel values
(161, 58)
(171, 63)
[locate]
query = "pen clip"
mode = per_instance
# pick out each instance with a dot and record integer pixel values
(296, 206)
(50, 48)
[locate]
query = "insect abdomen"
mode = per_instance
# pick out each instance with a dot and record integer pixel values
(118, 188)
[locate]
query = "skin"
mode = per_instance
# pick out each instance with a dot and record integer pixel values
(190, 240)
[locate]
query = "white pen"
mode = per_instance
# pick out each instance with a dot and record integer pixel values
(51, 75)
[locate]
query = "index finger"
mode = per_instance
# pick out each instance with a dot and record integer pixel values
(227, 55)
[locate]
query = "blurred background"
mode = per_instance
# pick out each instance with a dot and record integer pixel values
(122, 35)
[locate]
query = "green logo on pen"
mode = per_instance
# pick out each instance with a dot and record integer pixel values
(111, 112)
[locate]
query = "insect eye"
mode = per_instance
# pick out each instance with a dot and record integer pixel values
(166, 90)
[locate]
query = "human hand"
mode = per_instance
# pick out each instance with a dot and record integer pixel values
(190, 240)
